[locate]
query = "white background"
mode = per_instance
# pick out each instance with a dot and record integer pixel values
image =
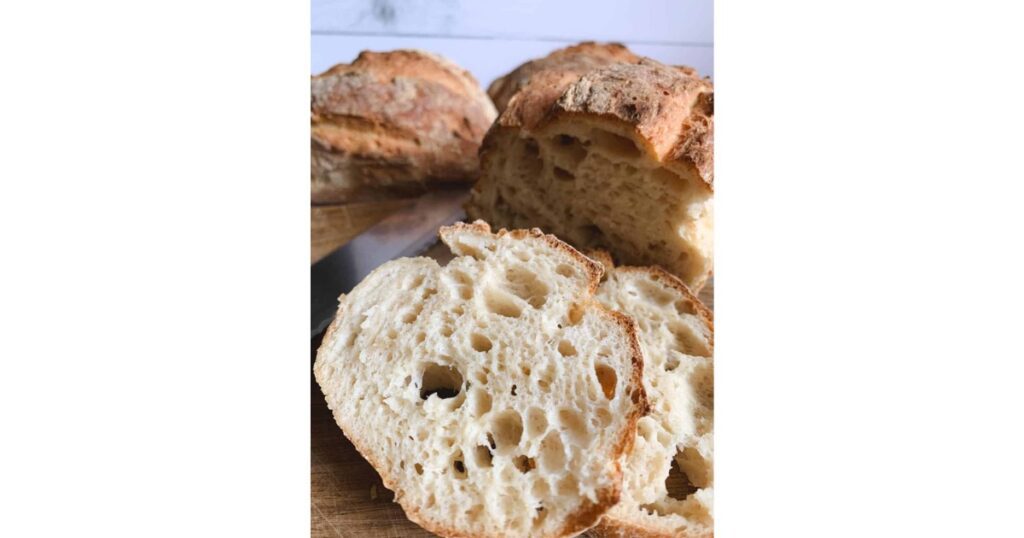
(154, 369)
(492, 38)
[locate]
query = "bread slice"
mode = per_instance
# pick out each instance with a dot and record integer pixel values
(393, 124)
(618, 157)
(494, 395)
(669, 476)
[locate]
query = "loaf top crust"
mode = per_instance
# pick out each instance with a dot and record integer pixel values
(406, 107)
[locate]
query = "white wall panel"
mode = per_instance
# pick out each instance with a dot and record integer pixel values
(649, 21)
(487, 59)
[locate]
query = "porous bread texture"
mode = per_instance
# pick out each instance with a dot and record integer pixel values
(393, 124)
(675, 441)
(619, 157)
(494, 395)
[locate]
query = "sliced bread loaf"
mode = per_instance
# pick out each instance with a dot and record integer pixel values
(606, 151)
(668, 477)
(494, 395)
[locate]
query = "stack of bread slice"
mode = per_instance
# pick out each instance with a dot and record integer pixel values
(512, 393)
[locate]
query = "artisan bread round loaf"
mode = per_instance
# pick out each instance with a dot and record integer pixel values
(393, 124)
(494, 395)
(606, 150)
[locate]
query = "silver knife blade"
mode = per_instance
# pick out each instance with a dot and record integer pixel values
(406, 233)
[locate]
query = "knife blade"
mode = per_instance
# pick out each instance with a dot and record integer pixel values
(406, 233)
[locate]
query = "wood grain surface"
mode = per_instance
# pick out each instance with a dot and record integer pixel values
(334, 225)
(347, 498)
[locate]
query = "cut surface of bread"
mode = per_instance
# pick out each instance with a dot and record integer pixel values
(618, 157)
(391, 124)
(668, 477)
(494, 395)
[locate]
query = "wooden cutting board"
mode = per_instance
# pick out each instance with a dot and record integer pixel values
(347, 498)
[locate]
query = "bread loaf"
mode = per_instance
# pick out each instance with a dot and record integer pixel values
(494, 395)
(392, 124)
(668, 477)
(605, 150)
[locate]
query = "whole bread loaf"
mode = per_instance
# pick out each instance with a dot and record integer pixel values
(494, 395)
(605, 150)
(393, 124)
(669, 476)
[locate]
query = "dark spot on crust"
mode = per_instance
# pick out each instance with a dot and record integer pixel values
(706, 103)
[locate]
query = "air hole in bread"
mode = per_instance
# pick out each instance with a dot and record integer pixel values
(678, 483)
(607, 379)
(415, 282)
(571, 148)
(458, 466)
(529, 157)
(523, 463)
(465, 249)
(480, 342)
(446, 331)
(614, 145)
(702, 379)
(536, 422)
(501, 303)
(575, 314)
(523, 255)
(568, 485)
(694, 466)
(552, 453)
(653, 293)
(566, 348)
(604, 417)
(687, 342)
(482, 456)
(562, 174)
(412, 313)
(669, 179)
(428, 292)
(565, 270)
(513, 390)
(507, 430)
(685, 308)
(418, 468)
(590, 234)
(475, 512)
(573, 425)
(525, 285)
(480, 401)
(441, 381)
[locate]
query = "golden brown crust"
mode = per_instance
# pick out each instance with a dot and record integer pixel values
(572, 61)
(393, 123)
(617, 528)
(668, 109)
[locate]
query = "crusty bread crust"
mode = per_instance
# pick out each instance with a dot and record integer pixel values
(588, 513)
(570, 62)
(668, 109)
(393, 123)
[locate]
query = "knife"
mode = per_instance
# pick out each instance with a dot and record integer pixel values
(406, 233)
